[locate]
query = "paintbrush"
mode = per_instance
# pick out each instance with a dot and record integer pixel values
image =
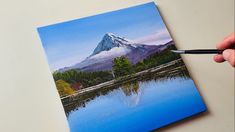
(198, 51)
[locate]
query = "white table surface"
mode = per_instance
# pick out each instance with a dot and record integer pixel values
(28, 97)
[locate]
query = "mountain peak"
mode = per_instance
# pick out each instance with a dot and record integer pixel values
(110, 41)
(109, 34)
(118, 38)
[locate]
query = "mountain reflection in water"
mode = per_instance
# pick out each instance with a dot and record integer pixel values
(131, 90)
(142, 105)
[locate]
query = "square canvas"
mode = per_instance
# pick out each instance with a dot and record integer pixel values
(116, 72)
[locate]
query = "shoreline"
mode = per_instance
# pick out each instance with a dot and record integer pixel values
(116, 82)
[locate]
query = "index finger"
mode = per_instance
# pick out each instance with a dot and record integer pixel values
(228, 42)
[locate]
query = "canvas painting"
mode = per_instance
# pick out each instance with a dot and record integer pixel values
(116, 72)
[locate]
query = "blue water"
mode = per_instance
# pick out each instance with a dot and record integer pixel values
(156, 103)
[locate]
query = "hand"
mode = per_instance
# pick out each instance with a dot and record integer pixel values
(228, 44)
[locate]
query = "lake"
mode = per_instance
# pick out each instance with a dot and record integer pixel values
(142, 105)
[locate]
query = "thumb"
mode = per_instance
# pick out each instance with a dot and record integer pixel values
(229, 55)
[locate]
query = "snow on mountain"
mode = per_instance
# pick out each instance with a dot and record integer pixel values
(112, 46)
(110, 41)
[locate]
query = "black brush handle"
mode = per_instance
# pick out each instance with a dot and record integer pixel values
(204, 51)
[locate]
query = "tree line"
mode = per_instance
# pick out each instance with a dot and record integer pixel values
(64, 80)
(157, 59)
(121, 67)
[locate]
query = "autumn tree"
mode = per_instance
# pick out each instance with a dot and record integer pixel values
(64, 88)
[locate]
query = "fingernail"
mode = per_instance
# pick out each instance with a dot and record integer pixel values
(226, 54)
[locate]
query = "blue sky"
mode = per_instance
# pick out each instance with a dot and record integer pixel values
(71, 42)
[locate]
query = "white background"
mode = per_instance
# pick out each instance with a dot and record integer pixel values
(28, 98)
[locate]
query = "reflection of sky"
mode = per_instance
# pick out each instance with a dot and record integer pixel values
(70, 42)
(160, 103)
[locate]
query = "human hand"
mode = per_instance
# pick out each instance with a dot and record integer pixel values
(228, 45)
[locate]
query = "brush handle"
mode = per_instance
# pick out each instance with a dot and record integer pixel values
(203, 51)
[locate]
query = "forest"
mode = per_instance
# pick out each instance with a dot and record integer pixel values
(65, 81)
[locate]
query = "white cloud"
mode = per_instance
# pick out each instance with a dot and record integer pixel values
(160, 37)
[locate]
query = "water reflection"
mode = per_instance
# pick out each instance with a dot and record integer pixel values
(132, 93)
(131, 90)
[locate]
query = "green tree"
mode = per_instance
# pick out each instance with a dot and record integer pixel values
(87, 79)
(140, 66)
(122, 66)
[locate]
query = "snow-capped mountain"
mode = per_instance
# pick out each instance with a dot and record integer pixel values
(110, 41)
(112, 46)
